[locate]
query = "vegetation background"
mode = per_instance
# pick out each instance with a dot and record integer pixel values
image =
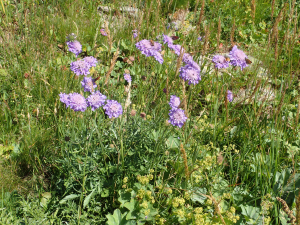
(231, 163)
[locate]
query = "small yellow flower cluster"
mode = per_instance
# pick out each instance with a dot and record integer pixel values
(267, 220)
(145, 179)
(226, 196)
(230, 215)
(177, 201)
(266, 204)
(160, 221)
(205, 164)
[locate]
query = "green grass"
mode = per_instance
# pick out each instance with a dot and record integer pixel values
(73, 164)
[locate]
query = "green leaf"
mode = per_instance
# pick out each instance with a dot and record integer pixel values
(68, 197)
(172, 142)
(45, 199)
(105, 193)
(197, 197)
(88, 198)
(117, 218)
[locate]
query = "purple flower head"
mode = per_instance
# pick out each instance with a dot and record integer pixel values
(168, 26)
(102, 31)
(229, 96)
(187, 58)
(88, 84)
(174, 102)
(64, 98)
(167, 40)
(74, 47)
(95, 100)
(199, 38)
(135, 33)
(176, 49)
(127, 77)
(80, 67)
(91, 61)
(220, 61)
(150, 48)
(238, 57)
(177, 117)
(113, 109)
(77, 102)
(190, 74)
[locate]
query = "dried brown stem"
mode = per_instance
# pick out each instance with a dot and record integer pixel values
(184, 157)
(219, 32)
(232, 33)
(201, 13)
(112, 64)
(287, 210)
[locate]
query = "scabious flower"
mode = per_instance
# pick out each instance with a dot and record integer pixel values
(177, 117)
(199, 38)
(168, 40)
(176, 49)
(80, 67)
(229, 96)
(238, 57)
(135, 33)
(187, 58)
(113, 109)
(174, 102)
(95, 100)
(220, 61)
(149, 48)
(64, 98)
(102, 31)
(127, 77)
(190, 73)
(77, 102)
(91, 61)
(88, 84)
(74, 47)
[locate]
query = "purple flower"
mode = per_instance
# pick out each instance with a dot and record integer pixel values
(102, 31)
(88, 84)
(80, 67)
(229, 96)
(74, 47)
(167, 40)
(238, 57)
(113, 109)
(187, 58)
(91, 61)
(135, 33)
(95, 100)
(127, 77)
(190, 73)
(220, 61)
(174, 102)
(199, 38)
(64, 98)
(177, 117)
(176, 49)
(150, 48)
(77, 102)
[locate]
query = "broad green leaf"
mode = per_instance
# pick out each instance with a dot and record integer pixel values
(68, 197)
(88, 198)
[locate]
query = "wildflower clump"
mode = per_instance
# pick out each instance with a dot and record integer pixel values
(220, 61)
(238, 57)
(74, 45)
(113, 109)
(177, 115)
(150, 48)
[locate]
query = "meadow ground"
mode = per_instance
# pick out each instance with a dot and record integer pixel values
(149, 112)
